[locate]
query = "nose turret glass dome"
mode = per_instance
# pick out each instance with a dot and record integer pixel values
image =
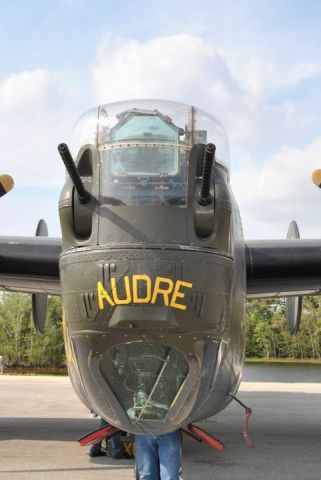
(144, 377)
(158, 122)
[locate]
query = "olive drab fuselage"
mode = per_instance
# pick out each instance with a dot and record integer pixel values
(153, 282)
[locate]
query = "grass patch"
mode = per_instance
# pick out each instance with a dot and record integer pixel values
(284, 361)
(35, 371)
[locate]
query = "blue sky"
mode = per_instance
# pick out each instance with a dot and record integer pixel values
(255, 65)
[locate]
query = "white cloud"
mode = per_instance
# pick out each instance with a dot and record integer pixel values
(35, 114)
(302, 71)
(270, 195)
(263, 75)
(189, 69)
(33, 120)
(160, 67)
(23, 90)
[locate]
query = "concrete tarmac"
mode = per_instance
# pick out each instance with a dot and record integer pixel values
(41, 418)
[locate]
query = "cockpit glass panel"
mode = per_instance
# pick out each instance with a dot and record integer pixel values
(150, 121)
(144, 127)
(144, 160)
(144, 377)
(144, 175)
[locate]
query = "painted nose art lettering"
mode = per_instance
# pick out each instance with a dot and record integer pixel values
(170, 293)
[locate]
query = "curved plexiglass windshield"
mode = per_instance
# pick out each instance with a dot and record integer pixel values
(144, 148)
(98, 126)
(144, 160)
(144, 377)
(144, 175)
(139, 125)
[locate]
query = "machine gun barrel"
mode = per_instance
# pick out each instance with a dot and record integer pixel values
(83, 194)
(204, 197)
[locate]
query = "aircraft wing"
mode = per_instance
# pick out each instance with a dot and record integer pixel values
(30, 264)
(283, 267)
(273, 267)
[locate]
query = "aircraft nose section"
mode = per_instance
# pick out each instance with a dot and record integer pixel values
(141, 387)
(144, 330)
(144, 377)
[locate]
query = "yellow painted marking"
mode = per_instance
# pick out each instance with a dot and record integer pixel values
(162, 291)
(163, 288)
(178, 294)
(103, 295)
(147, 280)
(129, 448)
(124, 301)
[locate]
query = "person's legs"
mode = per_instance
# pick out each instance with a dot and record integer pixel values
(95, 450)
(146, 457)
(169, 452)
(116, 447)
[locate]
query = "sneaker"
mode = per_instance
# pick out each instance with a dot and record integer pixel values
(97, 453)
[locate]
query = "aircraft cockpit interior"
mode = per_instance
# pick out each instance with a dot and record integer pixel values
(143, 162)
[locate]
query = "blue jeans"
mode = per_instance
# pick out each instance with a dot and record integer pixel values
(116, 445)
(158, 453)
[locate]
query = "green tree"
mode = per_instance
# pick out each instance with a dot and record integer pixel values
(15, 311)
(262, 330)
(19, 343)
(267, 333)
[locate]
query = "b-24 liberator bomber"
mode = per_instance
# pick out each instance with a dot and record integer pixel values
(153, 269)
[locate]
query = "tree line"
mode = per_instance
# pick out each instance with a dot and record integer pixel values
(20, 345)
(266, 334)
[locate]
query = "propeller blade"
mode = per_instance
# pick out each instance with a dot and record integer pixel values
(40, 300)
(293, 305)
(316, 178)
(6, 184)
